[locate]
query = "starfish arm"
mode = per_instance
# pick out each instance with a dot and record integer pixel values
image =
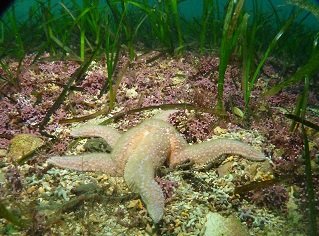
(140, 179)
(99, 162)
(177, 144)
(110, 134)
(212, 151)
(152, 150)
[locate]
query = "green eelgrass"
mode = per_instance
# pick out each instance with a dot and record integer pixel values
(164, 22)
(302, 101)
(308, 69)
(77, 21)
(112, 50)
(208, 7)
(10, 216)
(309, 186)
(299, 117)
(302, 121)
(158, 21)
(46, 26)
(229, 38)
(250, 75)
(10, 78)
(63, 37)
(306, 5)
(176, 19)
(16, 31)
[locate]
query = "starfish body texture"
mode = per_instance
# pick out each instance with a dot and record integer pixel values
(141, 150)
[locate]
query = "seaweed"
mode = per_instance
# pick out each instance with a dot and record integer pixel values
(303, 121)
(309, 186)
(11, 216)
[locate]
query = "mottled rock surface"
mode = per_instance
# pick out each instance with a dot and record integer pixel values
(218, 225)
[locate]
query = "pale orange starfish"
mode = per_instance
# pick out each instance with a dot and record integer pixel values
(138, 152)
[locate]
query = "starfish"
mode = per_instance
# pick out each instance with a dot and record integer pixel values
(141, 150)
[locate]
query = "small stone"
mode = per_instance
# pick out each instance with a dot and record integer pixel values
(184, 214)
(217, 225)
(97, 145)
(218, 130)
(177, 222)
(137, 204)
(41, 190)
(131, 93)
(224, 169)
(31, 189)
(23, 144)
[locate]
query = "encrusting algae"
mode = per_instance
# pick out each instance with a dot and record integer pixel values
(141, 150)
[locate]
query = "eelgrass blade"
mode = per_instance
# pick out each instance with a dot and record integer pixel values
(229, 38)
(247, 55)
(275, 11)
(112, 51)
(271, 46)
(302, 101)
(302, 121)
(13, 80)
(17, 33)
(10, 216)
(206, 15)
(312, 66)
(76, 20)
(174, 9)
(306, 5)
(308, 69)
(250, 76)
(61, 45)
(309, 186)
(82, 45)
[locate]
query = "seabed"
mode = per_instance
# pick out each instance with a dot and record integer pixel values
(56, 201)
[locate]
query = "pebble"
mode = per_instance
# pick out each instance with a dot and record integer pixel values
(41, 190)
(31, 189)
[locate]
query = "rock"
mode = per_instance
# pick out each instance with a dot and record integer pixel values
(224, 169)
(255, 171)
(23, 144)
(85, 188)
(97, 145)
(260, 171)
(218, 130)
(217, 225)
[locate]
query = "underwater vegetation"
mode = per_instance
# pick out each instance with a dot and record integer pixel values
(170, 105)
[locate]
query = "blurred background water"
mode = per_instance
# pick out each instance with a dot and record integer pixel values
(188, 8)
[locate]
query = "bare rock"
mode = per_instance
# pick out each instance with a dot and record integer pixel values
(217, 225)
(23, 144)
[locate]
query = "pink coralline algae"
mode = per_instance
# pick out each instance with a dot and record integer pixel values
(194, 127)
(275, 197)
(167, 187)
(29, 113)
(13, 178)
(93, 82)
(39, 86)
